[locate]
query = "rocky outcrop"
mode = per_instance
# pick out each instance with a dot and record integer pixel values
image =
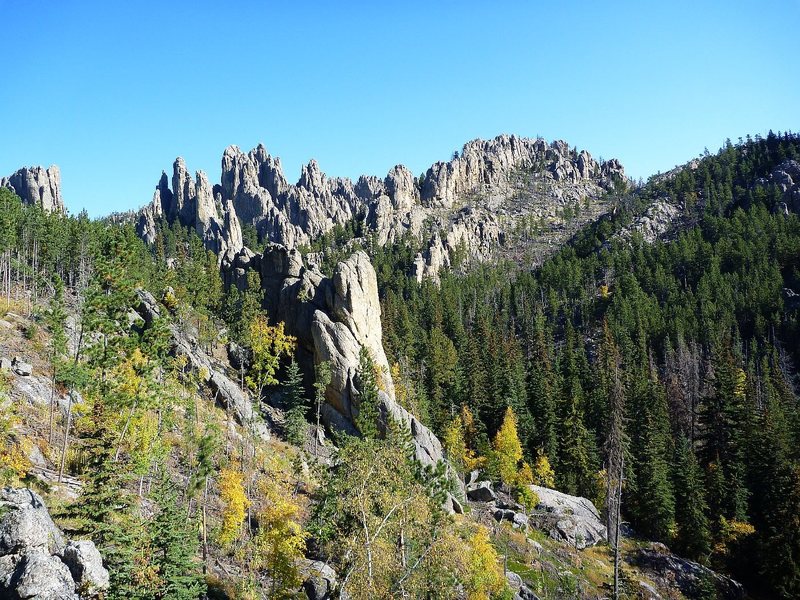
(210, 372)
(453, 209)
(786, 177)
(691, 578)
(332, 317)
(320, 580)
(481, 491)
(37, 186)
(35, 559)
(487, 165)
(655, 223)
(566, 518)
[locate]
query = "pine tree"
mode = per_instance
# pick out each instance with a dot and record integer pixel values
(693, 536)
(367, 385)
(175, 544)
(653, 502)
(576, 452)
(542, 386)
(296, 405)
(102, 511)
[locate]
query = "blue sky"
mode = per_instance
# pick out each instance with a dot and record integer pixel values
(112, 92)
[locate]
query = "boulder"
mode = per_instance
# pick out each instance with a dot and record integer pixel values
(320, 580)
(521, 591)
(5, 364)
(41, 576)
(36, 562)
(517, 519)
(566, 518)
(86, 566)
(26, 524)
(481, 492)
(671, 571)
(21, 367)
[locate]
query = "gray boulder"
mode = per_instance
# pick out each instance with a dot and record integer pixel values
(481, 492)
(671, 571)
(566, 518)
(521, 591)
(21, 367)
(517, 519)
(320, 580)
(41, 576)
(36, 562)
(26, 524)
(86, 566)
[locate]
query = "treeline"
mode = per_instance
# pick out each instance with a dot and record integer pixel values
(707, 342)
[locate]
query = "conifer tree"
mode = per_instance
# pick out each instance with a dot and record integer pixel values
(367, 384)
(296, 405)
(175, 544)
(693, 534)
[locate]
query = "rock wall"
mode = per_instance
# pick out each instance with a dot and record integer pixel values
(192, 203)
(37, 186)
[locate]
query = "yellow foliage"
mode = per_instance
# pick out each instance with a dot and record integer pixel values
(730, 532)
(14, 461)
(281, 541)
(507, 448)
(484, 576)
(604, 292)
(455, 445)
(235, 503)
(543, 473)
(128, 374)
(268, 343)
(468, 424)
(741, 384)
(525, 474)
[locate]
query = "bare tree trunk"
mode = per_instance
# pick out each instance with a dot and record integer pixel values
(66, 439)
(52, 404)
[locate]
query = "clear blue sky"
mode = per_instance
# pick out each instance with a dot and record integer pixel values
(112, 92)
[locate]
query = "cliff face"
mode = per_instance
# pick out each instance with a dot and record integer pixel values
(37, 186)
(480, 201)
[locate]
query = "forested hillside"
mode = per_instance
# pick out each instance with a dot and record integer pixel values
(659, 375)
(702, 331)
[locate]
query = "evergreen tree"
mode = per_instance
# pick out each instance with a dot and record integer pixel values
(367, 385)
(175, 545)
(693, 535)
(296, 405)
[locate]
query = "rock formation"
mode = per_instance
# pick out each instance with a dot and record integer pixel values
(472, 204)
(35, 559)
(192, 203)
(332, 319)
(786, 177)
(37, 186)
(566, 518)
